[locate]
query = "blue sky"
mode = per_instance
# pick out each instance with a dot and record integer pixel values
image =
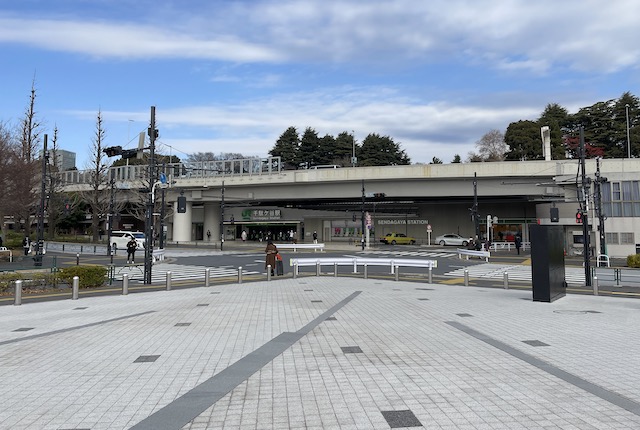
(231, 76)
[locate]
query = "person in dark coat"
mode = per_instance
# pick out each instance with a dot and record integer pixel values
(131, 250)
(271, 252)
(518, 243)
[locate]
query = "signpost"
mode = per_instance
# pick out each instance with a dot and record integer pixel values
(429, 234)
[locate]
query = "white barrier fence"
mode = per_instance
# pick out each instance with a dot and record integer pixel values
(392, 263)
(472, 253)
(296, 246)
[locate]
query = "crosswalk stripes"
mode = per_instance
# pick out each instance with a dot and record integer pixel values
(515, 272)
(181, 272)
(432, 254)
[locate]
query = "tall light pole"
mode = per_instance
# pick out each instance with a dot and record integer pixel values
(628, 136)
(148, 249)
(354, 160)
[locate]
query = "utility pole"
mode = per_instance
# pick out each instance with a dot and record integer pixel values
(474, 211)
(584, 207)
(112, 183)
(162, 211)
(222, 218)
(37, 260)
(598, 206)
(148, 248)
(362, 218)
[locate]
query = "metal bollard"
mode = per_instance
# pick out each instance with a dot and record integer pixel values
(366, 275)
(318, 270)
(125, 284)
(295, 271)
(169, 281)
(397, 272)
(240, 275)
(75, 288)
(595, 285)
(430, 275)
(505, 280)
(78, 259)
(335, 269)
(18, 297)
(268, 272)
(207, 276)
(466, 277)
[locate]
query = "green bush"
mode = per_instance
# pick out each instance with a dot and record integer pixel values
(90, 276)
(30, 280)
(633, 260)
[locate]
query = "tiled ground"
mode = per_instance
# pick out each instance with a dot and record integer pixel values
(466, 358)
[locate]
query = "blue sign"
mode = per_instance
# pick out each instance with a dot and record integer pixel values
(163, 178)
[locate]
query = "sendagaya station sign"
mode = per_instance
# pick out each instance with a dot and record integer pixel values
(402, 221)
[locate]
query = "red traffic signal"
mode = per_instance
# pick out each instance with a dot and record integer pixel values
(579, 219)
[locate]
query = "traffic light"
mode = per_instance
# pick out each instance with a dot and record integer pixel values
(579, 219)
(112, 151)
(182, 204)
(379, 195)
(555, 215)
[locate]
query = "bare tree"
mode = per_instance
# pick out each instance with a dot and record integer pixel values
(98, 196)
(25, 170)
(7, 159)
(491, 147)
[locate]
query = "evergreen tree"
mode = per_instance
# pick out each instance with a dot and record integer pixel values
(309, 149)
(379, 150)
(286, 147)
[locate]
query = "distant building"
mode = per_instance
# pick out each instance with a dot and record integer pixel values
(65, 160)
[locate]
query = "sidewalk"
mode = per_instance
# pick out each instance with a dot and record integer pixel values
(321, 353)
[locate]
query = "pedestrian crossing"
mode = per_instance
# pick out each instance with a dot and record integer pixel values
(179, 272)
(411, 253)
(515, 272)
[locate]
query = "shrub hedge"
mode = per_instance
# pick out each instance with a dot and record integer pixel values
(633, 260)
(90, 277)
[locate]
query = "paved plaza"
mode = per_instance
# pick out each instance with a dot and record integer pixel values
(321, 353)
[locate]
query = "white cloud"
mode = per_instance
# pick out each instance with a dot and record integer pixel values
(594, 35)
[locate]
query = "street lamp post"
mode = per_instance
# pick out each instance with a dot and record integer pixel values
(628, 135)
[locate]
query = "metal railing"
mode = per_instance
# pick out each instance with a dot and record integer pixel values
(198, 169)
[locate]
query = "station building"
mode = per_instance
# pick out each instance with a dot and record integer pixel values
(257, 196)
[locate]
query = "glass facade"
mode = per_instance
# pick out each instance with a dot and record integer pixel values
(621, 199)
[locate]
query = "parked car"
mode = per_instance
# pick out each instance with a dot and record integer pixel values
(452, 239)
(398, 238)
(119, 239)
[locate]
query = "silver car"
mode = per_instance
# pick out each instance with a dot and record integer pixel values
(452, 239)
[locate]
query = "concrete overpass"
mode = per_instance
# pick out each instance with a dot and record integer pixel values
(260, 195)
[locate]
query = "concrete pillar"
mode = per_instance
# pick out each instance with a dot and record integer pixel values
(212, 221)
(182, 224)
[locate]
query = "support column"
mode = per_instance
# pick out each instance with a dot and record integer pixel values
(182, 224)
(212, 220)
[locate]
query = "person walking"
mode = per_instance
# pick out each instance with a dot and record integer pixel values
(26, 244)
(208, 235)
(131, 251)
(270, 260)
(244, 235)
(518, 243)
(315, 236)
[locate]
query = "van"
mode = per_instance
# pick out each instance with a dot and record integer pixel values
(119, 239)
(326, 166)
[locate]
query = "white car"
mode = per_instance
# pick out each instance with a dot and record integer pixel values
(119, 239)
(452, 239)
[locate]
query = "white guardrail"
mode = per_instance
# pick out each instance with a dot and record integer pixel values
(355, 262)
(509, 245)
(296, 246)
(472, 253)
